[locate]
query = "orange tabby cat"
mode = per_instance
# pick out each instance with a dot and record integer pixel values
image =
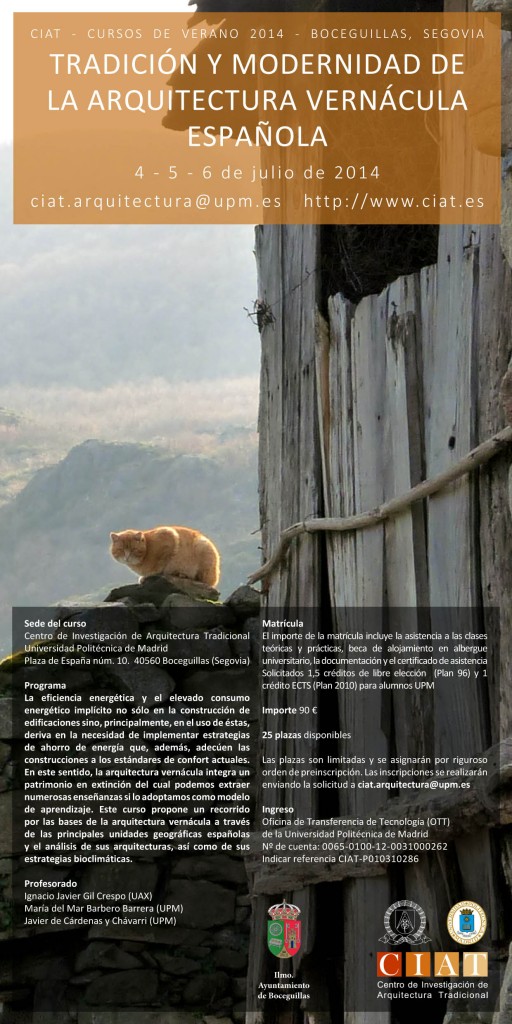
(169, 550)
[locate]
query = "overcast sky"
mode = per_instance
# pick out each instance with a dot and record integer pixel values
(243, 266)
(9, 7)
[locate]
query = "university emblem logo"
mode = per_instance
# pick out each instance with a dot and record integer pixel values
(283, 930)
(466, 922)
(404, 923)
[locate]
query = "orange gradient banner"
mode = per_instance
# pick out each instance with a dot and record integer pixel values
(269, 118)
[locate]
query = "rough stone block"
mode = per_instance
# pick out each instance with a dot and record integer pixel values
(161, 935)
(7, 845)
(198, 615)
(206, 904)
(159, 589)
(101, 618)
(146, 612)
(229, 938)
(6, 722)
(232, 681)
(120, 878)
(123, 988)
(189, 649)
(230, 960)
(245, 602)
(107, 956)
(215, 867)
(145, 681)
(206, 989)
(40, 966)
(177, 966)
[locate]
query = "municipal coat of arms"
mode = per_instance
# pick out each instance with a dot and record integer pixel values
(283, 930)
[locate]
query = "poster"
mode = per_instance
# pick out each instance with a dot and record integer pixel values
(265, 776)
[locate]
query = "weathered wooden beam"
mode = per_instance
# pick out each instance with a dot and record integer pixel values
(478, 457)
(486, 804)
(503, 7)
(506, 394)
(282, 878)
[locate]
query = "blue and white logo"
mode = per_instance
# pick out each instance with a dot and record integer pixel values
(466, 922)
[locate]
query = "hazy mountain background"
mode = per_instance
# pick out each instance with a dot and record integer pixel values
(135, 337)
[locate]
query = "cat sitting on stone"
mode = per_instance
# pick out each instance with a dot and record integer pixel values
(169, 551)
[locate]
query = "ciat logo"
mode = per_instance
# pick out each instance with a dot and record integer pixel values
(445, 964)
(284, 930)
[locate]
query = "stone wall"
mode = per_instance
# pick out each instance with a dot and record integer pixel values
(195, 970)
